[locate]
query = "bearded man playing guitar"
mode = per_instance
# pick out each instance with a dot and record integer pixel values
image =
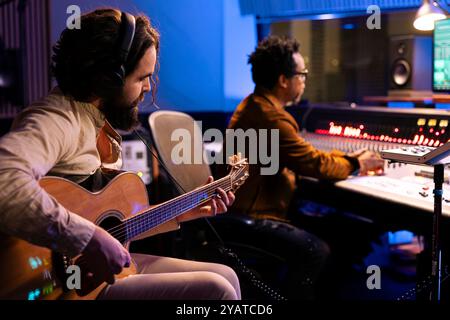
(103, 71)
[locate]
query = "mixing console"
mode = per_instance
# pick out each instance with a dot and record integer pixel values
(376, 129)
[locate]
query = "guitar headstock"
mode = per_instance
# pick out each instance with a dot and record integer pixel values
(239, 170)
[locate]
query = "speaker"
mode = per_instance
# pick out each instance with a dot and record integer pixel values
(410, 65)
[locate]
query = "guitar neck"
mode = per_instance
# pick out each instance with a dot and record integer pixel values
(149, 219)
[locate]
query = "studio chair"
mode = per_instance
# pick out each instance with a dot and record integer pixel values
(199, 241)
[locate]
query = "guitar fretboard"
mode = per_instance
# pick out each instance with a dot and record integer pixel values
(162, 213)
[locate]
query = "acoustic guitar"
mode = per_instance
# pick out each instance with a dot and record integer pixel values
(122, 208)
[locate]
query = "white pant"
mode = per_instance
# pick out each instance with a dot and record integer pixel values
(175, 279)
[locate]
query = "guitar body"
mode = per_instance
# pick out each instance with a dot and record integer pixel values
(33, 272)
(30, 272)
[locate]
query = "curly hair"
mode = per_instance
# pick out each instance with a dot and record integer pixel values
(272, 58)
(84, 58)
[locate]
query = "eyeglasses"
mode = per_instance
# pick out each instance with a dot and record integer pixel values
(302, 74)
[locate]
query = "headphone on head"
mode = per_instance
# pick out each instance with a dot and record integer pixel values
(127, 29)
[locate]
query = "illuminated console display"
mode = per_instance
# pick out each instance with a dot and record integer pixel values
(395, 135)
(425, 127)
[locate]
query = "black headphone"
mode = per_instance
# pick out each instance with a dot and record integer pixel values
(127, 29)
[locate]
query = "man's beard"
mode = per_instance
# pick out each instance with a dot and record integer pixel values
(120, 114)
(294, 101)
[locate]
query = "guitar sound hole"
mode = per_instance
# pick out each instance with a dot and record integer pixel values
(115, 227)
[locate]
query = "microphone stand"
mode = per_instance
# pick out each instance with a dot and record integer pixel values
(436, 254)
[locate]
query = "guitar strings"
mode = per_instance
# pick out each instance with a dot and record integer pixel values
(121, 230)
(221, 183)
(165, 207)
(216, 184)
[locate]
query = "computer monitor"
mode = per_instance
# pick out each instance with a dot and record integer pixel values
(441, 56)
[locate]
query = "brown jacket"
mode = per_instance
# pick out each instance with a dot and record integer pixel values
(269, 195)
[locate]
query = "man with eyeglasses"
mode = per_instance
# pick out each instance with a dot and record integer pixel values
(279, 73)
